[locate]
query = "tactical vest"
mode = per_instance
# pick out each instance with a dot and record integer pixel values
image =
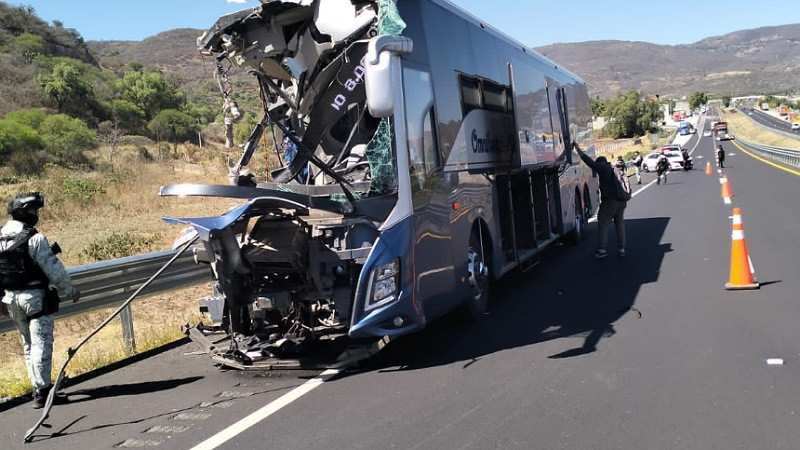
(17, 269)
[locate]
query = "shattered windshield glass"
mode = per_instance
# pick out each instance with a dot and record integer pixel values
(379, 150)
(308, 58)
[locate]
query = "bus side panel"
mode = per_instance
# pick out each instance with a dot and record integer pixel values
(581, 132)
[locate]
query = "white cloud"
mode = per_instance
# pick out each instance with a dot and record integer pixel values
(236, 1)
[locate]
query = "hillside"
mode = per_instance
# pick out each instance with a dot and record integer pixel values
(23, 38)
(175, 54)
(757, 61)
(761, 60)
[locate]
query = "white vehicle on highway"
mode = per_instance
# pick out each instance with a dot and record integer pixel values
(675, 161)
(795, 125)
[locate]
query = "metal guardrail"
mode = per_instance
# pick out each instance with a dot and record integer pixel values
(110, 282)
(783, 155)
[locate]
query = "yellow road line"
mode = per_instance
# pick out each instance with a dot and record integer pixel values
(785, 169)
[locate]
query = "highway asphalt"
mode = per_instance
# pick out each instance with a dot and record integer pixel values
(771, 121)
(649, 352)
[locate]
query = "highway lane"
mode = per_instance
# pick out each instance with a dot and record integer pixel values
(645, 352)
(771, 121)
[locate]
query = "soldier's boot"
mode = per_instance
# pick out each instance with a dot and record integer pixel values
(40, 397)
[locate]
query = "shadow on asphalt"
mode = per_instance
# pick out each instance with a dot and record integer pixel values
(569, 295)
(121, 390)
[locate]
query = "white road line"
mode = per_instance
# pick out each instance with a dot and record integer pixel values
(266, 411)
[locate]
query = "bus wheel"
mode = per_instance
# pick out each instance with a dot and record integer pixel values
(478, 276)
(575, 236)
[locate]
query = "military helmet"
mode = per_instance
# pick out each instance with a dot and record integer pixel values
(26, 201)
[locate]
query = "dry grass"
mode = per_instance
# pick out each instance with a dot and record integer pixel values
(130, 204)
(157, 321)
(745, 128)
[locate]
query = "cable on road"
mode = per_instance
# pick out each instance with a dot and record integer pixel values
(72, 351)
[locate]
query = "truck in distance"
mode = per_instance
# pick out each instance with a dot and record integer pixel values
(720, 131)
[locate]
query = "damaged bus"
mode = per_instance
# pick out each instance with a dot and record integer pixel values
(429, 154)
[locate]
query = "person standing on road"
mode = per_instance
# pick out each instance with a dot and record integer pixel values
(637, 164)
(662, 167)
(612, 207)
(720, 157)
(28, 269)
(620, 164)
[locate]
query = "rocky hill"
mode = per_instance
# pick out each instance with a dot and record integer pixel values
(757, 61)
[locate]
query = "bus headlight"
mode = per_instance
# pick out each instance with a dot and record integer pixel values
(383, 288)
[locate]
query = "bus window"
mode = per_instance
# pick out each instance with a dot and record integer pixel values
(423, 154)
(425, 158)
(495, 97)
(470, 93)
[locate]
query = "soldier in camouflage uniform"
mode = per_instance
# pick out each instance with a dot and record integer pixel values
(28, 267)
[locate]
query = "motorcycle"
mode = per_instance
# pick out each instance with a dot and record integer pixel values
(687, 164)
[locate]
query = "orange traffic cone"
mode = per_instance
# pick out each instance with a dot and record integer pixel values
(726, 188)
(708, 167)
(741, 275)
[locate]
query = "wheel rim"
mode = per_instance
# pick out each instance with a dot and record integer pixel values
(478, 273)
(578, 217)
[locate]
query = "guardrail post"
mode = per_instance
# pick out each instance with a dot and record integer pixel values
(126, 316)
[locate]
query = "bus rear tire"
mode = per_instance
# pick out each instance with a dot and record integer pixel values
(474, 305)
(575, 236)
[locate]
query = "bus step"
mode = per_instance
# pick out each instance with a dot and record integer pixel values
(529, 263)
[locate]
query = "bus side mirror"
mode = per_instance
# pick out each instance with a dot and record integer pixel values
(382, 72)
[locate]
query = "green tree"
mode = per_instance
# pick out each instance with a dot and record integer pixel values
(697, 99)
(203, 114)
(66, 138)
(64, 85)
(150, 92)
(32, 117)
(598, 106)
(726, 100)
(16, 137)
(631, 115)
(125, 115)
(172, 125)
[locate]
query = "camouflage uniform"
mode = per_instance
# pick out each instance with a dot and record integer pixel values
(37, 333)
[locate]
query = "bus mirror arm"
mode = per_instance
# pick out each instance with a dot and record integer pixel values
(398, 45)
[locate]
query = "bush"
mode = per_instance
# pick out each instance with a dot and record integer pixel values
(16, 137)
(144, 154)
(66, 138)
(81, 189)
(119, 245)
(28, 163)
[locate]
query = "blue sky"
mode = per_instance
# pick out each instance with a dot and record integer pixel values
(533, 22)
